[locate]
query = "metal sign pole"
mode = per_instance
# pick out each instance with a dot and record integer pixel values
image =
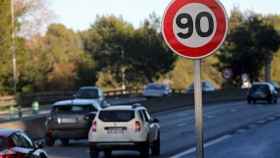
(198, 109)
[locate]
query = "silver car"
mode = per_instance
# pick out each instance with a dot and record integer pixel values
(206, 86)
(156, 90)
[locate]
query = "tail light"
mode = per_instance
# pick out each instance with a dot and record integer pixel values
(94, 126)
(137, 126)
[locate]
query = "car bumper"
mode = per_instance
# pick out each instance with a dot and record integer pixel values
(116, 145)
(69, 133)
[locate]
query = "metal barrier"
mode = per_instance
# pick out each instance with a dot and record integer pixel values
(50, 97)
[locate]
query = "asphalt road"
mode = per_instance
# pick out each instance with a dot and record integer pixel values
(259, 141)
(178, 133)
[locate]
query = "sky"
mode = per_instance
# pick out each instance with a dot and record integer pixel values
(80, 14)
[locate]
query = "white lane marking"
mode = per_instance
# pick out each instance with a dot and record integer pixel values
(182, 124)
(233, 110)
(240, 131)
(193, 149)
(261, 121)
(210, 116)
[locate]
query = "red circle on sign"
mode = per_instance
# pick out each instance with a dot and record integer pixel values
(205, 50)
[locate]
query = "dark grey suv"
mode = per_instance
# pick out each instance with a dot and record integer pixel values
(70, 119)
(263, 91)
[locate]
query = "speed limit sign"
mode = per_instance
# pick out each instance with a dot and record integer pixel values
(194, 28)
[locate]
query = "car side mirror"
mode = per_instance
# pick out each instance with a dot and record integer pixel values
(39, 145)
(90, 116)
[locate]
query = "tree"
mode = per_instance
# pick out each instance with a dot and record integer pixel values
(106, 41)
(248, 47)
(148, 55)
(58, 61)
(119, 49)
(5, 44)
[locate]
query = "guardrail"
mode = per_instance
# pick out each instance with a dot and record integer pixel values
(50, 97)
(26, 100)
(7, 101)
(176, 100)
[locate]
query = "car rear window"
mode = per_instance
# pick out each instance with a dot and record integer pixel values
(156, 87)
(73, 109)
(87, 94)
(262, 88)
(116, 115)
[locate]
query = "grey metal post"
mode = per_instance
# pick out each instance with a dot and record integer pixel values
(13, 49)
(198, 110)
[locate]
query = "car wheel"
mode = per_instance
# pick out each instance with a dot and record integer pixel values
(145, 150)
(269, 101)
(65, 142)
(94, 153)
(156, 146)
(249, 101)
(49, 141)
(108, 153)
(43, 155)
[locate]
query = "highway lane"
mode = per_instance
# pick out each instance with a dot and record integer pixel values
(259, 141)
(177, 128)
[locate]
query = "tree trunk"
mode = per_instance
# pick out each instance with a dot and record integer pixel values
(267, 70)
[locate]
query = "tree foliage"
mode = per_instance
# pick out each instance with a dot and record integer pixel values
(149, 56)
(116, 46)
(248, 46)
(5, 40)
(66, 62)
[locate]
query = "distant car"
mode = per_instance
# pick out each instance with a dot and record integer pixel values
(262, 91)
(70, 119)
(14, 143)
(206, 86)
(124, 128)
(156, 90)
(91, 93)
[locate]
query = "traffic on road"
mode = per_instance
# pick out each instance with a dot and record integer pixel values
(100, 81)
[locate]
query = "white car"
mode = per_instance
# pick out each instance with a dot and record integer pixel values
(128, 127)
(206, 86)
(156, 90)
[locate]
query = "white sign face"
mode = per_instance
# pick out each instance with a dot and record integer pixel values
(195, 25)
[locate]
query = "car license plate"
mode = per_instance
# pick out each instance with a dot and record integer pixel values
(68, 120)
(115, 131)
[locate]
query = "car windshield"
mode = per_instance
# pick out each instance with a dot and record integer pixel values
(116, 115)
(275, 84)
(87, 94)
(73, 109)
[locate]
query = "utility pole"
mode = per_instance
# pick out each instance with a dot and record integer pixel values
(13, 49)
(123, 72)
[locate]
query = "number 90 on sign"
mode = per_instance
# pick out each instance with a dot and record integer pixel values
(194, 25)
